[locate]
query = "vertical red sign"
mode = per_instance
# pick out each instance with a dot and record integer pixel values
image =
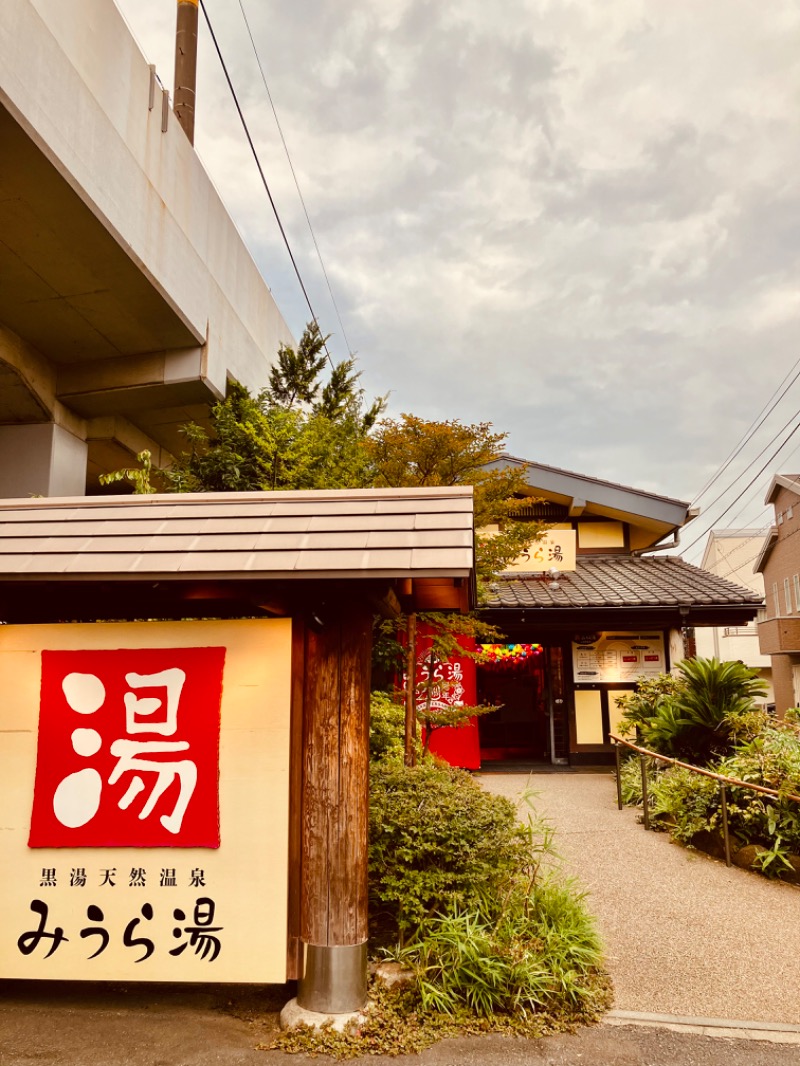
(128, 749)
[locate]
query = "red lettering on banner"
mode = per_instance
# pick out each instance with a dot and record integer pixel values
(128, 749)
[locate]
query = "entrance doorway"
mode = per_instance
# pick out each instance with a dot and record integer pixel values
(519, 730)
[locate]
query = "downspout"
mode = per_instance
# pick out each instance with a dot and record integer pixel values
(676, 539)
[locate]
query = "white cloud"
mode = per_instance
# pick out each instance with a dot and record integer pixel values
(580, 221)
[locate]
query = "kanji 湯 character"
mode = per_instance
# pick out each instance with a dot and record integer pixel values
(139, 709)
(77, 877)
(128, 753)
(200, 937)
(28, 942)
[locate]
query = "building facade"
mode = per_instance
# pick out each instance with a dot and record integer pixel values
(580, 638)
(779, 565)
(731, 553)
(128, 298)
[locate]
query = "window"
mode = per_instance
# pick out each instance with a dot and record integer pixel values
(789, 512)
(796, 580)
(775, 599)
(787, 595)
(780, 518)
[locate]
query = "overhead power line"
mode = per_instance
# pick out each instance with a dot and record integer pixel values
(294, 176)
(759, 420)
(755, 477)
(264, 181)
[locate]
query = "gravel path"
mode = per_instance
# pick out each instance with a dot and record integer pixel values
(684, 934)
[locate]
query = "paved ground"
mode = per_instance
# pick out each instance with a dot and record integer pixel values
(684, 934)
(90, 1026)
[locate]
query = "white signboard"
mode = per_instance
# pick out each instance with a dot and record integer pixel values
(555, 551)
(144, 773)
(618, 656)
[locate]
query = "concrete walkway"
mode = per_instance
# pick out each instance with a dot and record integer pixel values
(684, 934)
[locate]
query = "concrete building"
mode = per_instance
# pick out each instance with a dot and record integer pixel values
(127, 296)
(731, 553)
(779, 565)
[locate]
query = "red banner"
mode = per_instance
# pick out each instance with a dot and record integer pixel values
(128, 749)
(452, 684)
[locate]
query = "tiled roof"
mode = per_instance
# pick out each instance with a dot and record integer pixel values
(358, 533)
(622, 581)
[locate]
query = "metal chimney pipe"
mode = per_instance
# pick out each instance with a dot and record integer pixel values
(186, 65)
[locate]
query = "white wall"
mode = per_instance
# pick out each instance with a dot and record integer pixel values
(73, 76)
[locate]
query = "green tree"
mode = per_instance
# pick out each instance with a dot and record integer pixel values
(413, 452)
(300, 432)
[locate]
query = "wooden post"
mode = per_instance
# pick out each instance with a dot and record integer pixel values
(410, 732)
(335, 811)
(186, 66)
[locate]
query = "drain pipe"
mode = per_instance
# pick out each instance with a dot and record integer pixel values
(674, 543)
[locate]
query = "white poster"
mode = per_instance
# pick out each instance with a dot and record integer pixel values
(614, 657)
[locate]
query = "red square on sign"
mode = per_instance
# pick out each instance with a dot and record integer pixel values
(128, 751)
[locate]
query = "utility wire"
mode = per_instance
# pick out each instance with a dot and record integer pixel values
(294, 176)
(759, 420)
(727, 488)
(260, 169)
(755, 477)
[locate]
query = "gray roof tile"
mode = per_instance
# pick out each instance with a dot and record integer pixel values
(621, 581)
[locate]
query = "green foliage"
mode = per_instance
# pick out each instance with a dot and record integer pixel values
(689, 801)
(139, 476)
(437, 841)
(413, 452)
(773, 760)
(698, 716)
(631, 781)
(640, 706)
(716, 705)
(298, 433)
(456, 885)
(540, 951)
(386, 724)
(254, 445)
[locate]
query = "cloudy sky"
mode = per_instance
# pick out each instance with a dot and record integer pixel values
(577, 220)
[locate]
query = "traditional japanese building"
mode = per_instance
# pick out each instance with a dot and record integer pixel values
(586, 613)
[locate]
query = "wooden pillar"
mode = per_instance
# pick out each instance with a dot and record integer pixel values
(335, 811)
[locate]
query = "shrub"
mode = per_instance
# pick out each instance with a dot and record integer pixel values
(386, 725)
(456, 888)
(541, 952)
(437, 842)
(689, 801)
(699, 716)
(640, 706)
(772, 760)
